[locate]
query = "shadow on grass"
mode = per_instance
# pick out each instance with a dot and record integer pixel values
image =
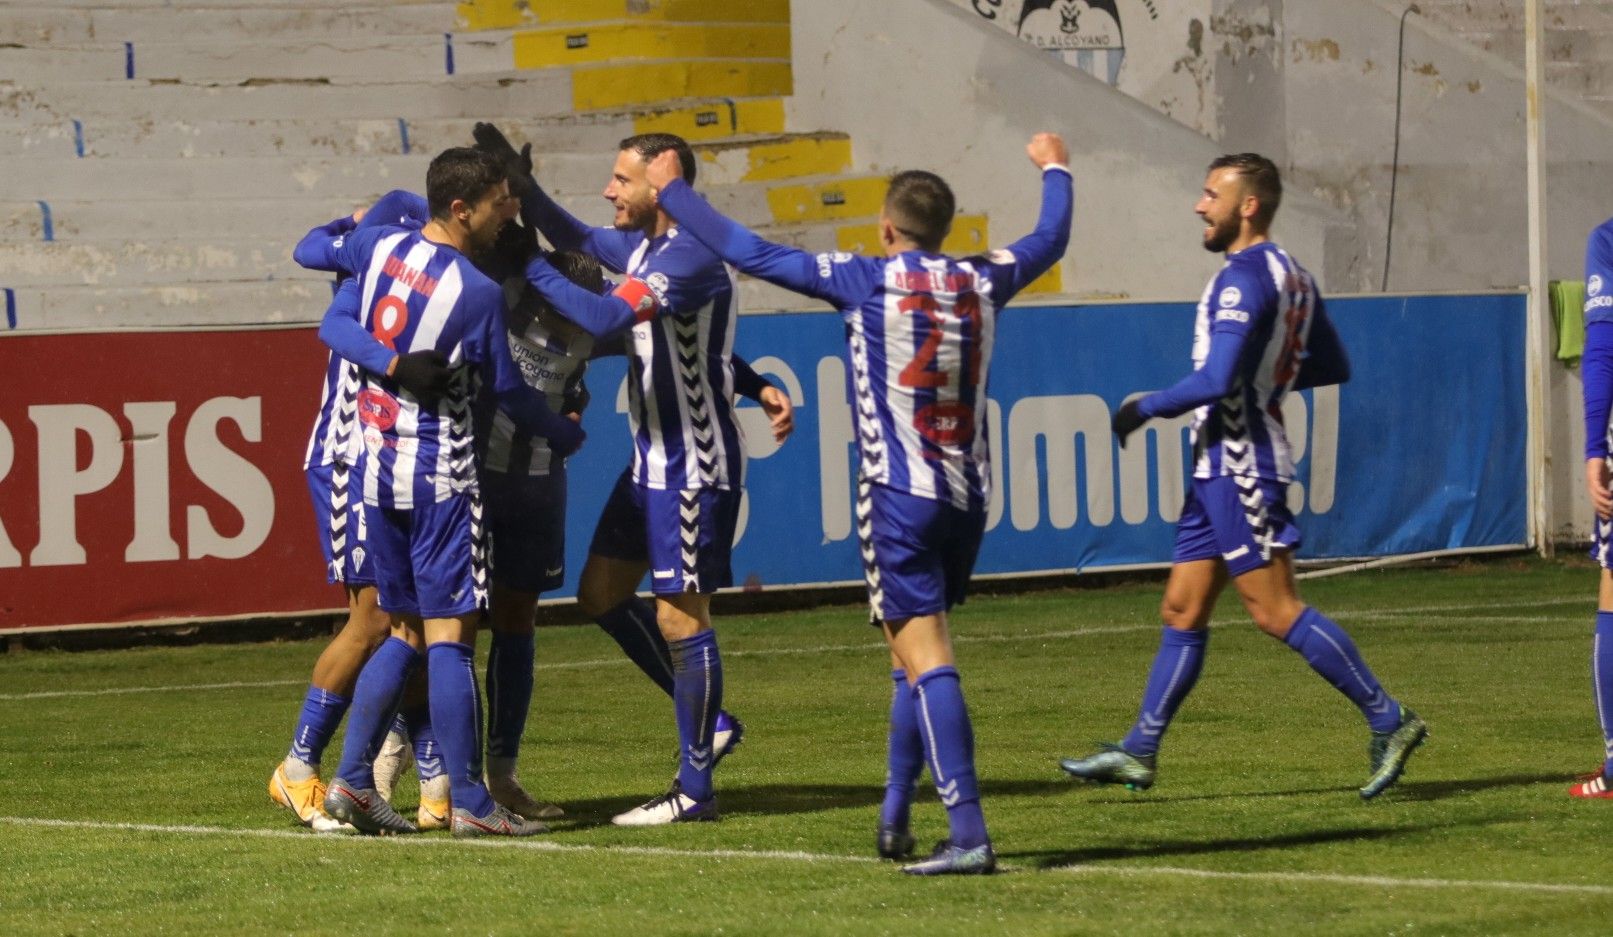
(1405, 790)
(779, 799)
(783, 799)
(1046, 859)
(1437, 790)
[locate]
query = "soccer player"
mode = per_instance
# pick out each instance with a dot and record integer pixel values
(328, 464)
(1596, 372)
(422, 503)
(919, 328)
(524, 483)
(673, 512)
(1261, 332)
(525, 488)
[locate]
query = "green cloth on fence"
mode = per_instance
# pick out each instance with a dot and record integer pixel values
(1568, 312)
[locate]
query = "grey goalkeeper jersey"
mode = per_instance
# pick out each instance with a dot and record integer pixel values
(552, 355)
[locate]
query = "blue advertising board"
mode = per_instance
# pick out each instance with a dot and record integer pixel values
(1421, 451)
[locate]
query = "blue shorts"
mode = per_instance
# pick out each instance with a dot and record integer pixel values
(526, 521)
(917, 553)
(432, 559)
(686, 536)
(1237, 520)
(343, 542)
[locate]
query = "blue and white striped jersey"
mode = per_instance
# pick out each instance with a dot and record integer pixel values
(1599, 274)
(552, 355)
(417, 294)
(919, 329)
(1596, 365)
(1263, 300)
(680, 389)
(332, 438)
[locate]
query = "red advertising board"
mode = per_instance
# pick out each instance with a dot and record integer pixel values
(157, 476)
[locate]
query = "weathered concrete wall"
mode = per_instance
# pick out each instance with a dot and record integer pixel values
(1313, 86)
(926, 83)
(1461, 202)
(1460, 216)
(1153, 50)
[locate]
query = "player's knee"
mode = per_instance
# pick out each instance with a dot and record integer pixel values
(1181, 614)
(594, 596)
(682, 617)
(515, 624)
(1275, 619)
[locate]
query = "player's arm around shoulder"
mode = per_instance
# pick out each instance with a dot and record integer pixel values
(681, 276)
(779, 264)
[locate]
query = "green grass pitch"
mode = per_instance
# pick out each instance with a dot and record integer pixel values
(145, 811)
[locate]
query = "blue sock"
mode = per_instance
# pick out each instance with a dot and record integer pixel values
(509, 692)
(632, 625)
(949, 740)
(1331, 653)
(1602, 679)
(375, 703)
(322, 712)
(456, 715)
(696, 699)
(427, 753)
(1176, 668)
(906, 755)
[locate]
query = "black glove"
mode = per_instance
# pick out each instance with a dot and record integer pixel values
(517, 165)
(1126, 420)
(425, 374)
(514, 246)
(576, 399)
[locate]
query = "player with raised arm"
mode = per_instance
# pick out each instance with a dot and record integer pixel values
(920, 327)
(1596, 371)
(1262, 331)
(525, 488)
(328, 463)
(422, 503)
(673, 512)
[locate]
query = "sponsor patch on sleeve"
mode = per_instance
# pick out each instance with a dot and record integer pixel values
(641, 296)
(1593, 285)
(826, 262)
(1230, 297)
(1231, 315)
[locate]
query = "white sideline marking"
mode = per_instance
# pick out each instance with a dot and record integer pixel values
(1329, 878)
(542, 845)
(1367, 614)
(116, 691)
(496, 842)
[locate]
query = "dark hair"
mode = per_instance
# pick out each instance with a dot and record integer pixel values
(460, 173)
(580, 268)
(921, 206)
(1260, 179)
(650, 145)
(514, 246)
